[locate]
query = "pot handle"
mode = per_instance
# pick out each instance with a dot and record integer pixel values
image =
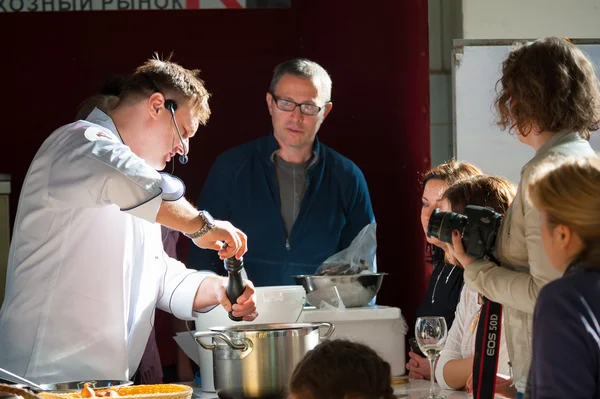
(222, 336)
(329, 331)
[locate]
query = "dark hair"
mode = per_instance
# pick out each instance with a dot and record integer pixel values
(549, 84)
(106, 99)
(338, 369)
(112, 85)
(448, 172)
(491, 191)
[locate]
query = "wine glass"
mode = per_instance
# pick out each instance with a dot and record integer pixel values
(431, 333)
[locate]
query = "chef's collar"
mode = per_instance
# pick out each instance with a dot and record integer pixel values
(99, 117)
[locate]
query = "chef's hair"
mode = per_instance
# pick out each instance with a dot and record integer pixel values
(171, 79)
(340, 369)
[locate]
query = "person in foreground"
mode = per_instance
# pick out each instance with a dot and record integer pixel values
(340, 369)
(298, 200)
(86, 266)
(566, 327)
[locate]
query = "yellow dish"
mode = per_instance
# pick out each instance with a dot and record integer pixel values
(157, 391)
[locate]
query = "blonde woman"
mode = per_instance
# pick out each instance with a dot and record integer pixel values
(550, 97)
(566, 322)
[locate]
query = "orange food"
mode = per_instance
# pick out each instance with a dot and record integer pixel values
(108, 393)
(87, 392)
(157, 391)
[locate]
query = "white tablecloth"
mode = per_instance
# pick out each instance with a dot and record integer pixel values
(413, 390)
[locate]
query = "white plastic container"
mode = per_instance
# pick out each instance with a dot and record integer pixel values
(275, 304)
(381, 327)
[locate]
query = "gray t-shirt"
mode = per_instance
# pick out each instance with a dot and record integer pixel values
(291, 178)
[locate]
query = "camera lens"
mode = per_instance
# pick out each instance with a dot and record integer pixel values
(441, 225)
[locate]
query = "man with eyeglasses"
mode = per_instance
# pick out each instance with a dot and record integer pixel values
(298, 201)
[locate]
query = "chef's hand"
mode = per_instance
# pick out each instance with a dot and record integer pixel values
(224, 233)
(418, 367)
(245, 305)
(457, 250)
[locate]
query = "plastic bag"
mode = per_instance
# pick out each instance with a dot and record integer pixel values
(359, 257)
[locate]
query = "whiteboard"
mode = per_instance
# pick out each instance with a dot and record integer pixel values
(477, 139)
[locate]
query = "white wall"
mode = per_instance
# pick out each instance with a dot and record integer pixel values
(445, 24)
(530, 19)
(492, 19)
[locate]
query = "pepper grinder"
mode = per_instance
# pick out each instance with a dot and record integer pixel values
(235, 285)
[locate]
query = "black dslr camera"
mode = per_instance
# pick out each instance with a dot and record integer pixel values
(479, 228)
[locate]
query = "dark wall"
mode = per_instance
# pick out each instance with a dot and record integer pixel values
(376, 52)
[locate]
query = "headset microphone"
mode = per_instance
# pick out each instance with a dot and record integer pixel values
(171, 106)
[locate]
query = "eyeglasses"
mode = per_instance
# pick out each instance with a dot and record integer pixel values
(290, 106)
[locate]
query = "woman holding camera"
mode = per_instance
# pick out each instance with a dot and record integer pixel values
(550, 97)
(566, 329)
(446, 281)
(455, 364)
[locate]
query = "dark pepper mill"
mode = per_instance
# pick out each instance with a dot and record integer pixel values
(235, 285)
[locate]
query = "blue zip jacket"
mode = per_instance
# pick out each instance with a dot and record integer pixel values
(242, 188)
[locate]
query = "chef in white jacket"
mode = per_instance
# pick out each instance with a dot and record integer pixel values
(86, 265)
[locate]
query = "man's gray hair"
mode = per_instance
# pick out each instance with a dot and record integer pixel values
(305, 69)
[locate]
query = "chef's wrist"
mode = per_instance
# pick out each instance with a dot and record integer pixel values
(195, 225)
(208, 293)
(216, 284)
(208, 222)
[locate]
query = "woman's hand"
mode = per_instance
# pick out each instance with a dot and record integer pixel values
(418, 367)
(457, 250)
(469, 384)
(504, 387)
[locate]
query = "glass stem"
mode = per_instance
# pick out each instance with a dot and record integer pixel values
(432, 368)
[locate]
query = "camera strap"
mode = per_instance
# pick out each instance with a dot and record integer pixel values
(487, 349)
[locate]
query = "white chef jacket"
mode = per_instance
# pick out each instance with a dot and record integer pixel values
(86, 265)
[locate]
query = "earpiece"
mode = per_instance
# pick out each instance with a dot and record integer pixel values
(171, 106)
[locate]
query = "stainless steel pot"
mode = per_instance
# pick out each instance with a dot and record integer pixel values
(257, 360)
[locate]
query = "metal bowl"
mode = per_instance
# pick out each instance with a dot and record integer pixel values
(354, 290)
(73, 386)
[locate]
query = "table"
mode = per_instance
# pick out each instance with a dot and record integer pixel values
(413, 390)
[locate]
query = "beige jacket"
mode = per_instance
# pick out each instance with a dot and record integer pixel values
(525, 267)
